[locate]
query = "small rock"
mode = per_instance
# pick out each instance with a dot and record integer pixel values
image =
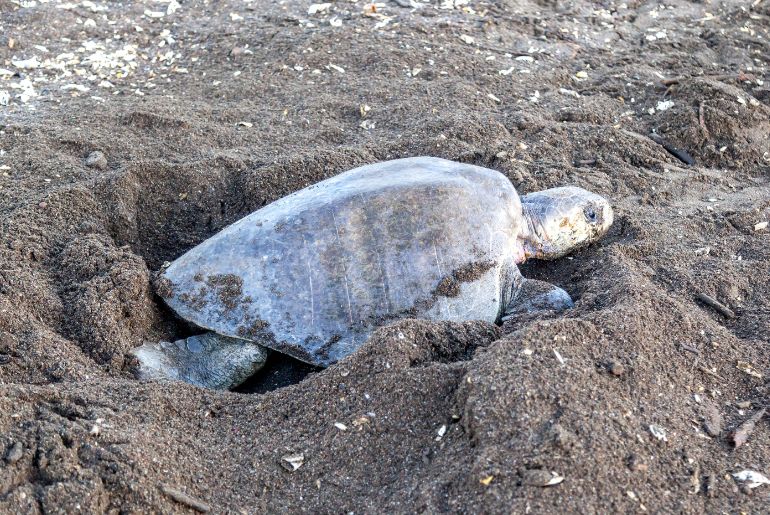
(710, 486)
(636, 464)
(96, 160)
(15, 452)
(712, 420)
(563, 438)
(616, 368)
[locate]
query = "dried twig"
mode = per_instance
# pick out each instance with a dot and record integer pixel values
(710, 372)
(183, 498)
(737, 76)
(713, 303)
(678, 153)
(702, 119)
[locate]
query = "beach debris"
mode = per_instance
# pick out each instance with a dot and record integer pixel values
(26, 64)
(678, 153)
(542, 478)
(184, 499)
(340, 426)
(664, 105)
(14, 453)
(751, 478)
(467, 39)
(5, 98)
(713, 303)
(581, 75)
(742, 433)
(760, 226)
(96, 429)
(747, 368)
(336, 68)
(96, 159)
(711, 372)
(292, 462)
(318, 8)
(712, 419)
(658, 432)
(486, 480)
(695, 480)
(77, 87)
(558, 356)
(441, 432)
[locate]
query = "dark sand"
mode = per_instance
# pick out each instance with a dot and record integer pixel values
(550, 93)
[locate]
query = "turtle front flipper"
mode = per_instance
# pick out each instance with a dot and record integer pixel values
(208, 360)
(534, 296)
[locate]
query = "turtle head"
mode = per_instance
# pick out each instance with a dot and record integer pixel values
(560, 220)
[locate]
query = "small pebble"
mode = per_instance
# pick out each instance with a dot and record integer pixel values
(616, 368)
(636, 464)
(96, 160)
(15, 452)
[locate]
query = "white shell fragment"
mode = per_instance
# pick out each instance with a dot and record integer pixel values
(292, 462)
(27, 64)
(555, 480)
(658, 432)
(751, 478)
(317, 8)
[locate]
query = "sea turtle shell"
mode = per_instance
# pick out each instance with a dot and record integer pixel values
(313, 274)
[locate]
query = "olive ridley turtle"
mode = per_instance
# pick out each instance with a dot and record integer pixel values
(314, 273)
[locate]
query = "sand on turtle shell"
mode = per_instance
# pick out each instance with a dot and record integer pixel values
(231, 106)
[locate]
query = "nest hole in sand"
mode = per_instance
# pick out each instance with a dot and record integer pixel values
(161, 209)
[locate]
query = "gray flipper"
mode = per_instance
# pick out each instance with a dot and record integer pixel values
(208, 360)
(533, 296)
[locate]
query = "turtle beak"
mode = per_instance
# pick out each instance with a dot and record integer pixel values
(605, 219)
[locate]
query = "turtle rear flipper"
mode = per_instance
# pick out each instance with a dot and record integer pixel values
(535, 296)
(208, 360)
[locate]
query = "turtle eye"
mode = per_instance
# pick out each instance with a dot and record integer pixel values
(590, 214)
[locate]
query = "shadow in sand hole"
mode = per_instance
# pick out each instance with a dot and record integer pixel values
(279, 371)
